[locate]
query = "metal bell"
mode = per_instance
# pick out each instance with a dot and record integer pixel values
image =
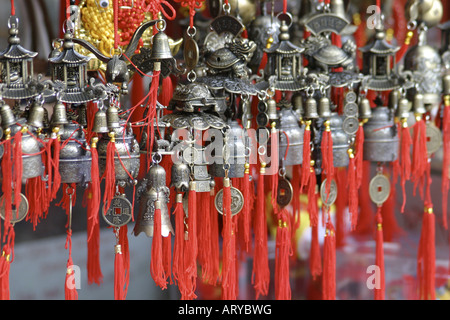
(160, 48)
(418, 104)
(100, 122)
(7, 115)
(311, 109)
(36, 115)
(297, 104)
(156, 196)
(180, 176)
(365, 110)
(272, 109)
(59, 116)
(403, 109)
(291, 140)
(446, 81)
(394, 97)
(340, 141)
(324, 107)
(112, 117)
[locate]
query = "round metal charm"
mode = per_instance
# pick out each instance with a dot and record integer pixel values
(285, 193)
(350, 125)
(434, 138)
(237, 201)
(379, 189)
(191, 53)
(16, 215)
(328, 199)
(119, 212)
(350, 97)
(351, 109)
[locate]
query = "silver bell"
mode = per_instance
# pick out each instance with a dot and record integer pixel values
(394, 97)
(100, 122)
(324, 107)
(160, 47)
(311, 109)
(36, 115)
(446, 81)
(297, 104)
(112, 117)
(403, 109)
(418, 104)
(8, 118)
(59, 116)
(365, 110)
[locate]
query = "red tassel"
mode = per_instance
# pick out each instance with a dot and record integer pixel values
(405, 46)
(229, 246)
(419, 155)
(329, 263)
(93, 225)
(315, 258)
(306, 155)
(283, 251)
(405, 158)
(55, 164)
(426, 267)
(109, 174)
(166, 92)
(70, 283)
(35, 191)
(359, 154)
(18, 166)
(191, 245)
(167, 257)
(65, 200)
(214, 273)
(248, 205)
(260, 273)
(341, 207)
(7, 177)
(445, 185)
(366, 217)
(313, 209)
(274, 164)
(352, 190)
(295, 204)
(379, 257)
(204, 227)
(327, 156)
(119, 277)
(156, 266)
(6, 259)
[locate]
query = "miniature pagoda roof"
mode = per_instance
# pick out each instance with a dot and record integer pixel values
(379, 45)
(15, 51)
(284, 46)
(69, 55)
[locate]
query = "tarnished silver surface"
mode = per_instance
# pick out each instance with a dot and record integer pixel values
(292, 132)
(340, 141)
(381, 136)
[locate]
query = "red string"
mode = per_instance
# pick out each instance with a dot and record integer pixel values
(116, 24)
(13, 8)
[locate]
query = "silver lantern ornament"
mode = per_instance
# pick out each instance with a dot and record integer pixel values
(69, 73)
(17, 68)
(341, 141)
(74, 157)
(153, 192)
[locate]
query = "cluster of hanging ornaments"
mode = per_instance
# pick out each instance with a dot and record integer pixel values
(267, 107)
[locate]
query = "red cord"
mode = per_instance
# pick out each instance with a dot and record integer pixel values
(13, 8)
(116, 24)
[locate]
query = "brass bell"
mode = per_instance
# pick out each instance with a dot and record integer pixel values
(112, 117)
(59, 116)
(8, 118)
(324, 107)
(297, 104)
(160, 47)
(403, 109)
(311, 109)
(100, 122)
(272, 109)
(418, 104)
(365, 110)
(394, 97)
(36, 115)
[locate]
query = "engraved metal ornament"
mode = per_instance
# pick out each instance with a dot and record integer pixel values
(350, 125)
(59, 115)
(379, 189)
(119, 212)
(328, 198)
(191, 53)
(381, 136)
(237, 201)
(340, 141)
(17, 215)
(285, 192)
(291, 137)
(74, 158)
